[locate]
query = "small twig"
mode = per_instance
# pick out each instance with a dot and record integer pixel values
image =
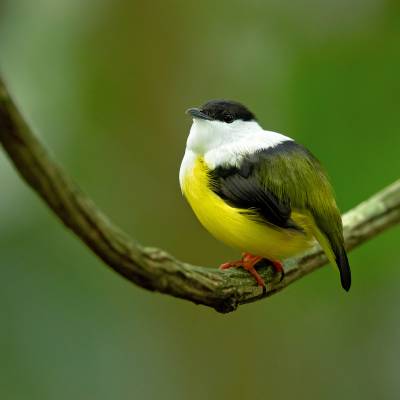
(151, 268)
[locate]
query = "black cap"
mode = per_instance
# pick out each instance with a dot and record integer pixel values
(222, 110)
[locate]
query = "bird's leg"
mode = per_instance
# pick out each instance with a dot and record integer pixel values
(237, 263)
(247, 262)
(278, 267)
(231, 264)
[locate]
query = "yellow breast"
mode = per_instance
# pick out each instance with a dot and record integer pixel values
(238, 228)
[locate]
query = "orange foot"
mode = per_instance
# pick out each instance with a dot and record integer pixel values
(248, 261)
(278, 267)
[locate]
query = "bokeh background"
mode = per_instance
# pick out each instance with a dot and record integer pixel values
(105, 84)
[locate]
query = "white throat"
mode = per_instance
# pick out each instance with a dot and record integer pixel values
(220, 143)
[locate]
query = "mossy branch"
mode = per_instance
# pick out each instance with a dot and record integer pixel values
(154, 269)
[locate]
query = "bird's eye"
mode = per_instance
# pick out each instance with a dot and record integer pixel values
(228, 118)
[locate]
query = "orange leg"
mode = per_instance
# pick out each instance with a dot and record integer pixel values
(278, 267)
(248, 262)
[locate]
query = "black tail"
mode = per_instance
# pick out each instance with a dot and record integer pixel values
(344, 268)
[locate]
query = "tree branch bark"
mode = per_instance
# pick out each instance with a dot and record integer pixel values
(152, 268)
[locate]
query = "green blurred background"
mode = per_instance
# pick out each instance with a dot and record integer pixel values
(105, 84)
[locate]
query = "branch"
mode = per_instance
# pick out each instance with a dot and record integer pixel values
(154, 269)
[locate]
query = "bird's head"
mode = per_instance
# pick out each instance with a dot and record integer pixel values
(218, 122)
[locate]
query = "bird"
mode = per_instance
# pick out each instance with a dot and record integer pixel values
(258, 191)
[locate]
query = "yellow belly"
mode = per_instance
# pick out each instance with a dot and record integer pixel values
(237, 227)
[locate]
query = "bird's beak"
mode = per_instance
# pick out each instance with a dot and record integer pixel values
(197, 113)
